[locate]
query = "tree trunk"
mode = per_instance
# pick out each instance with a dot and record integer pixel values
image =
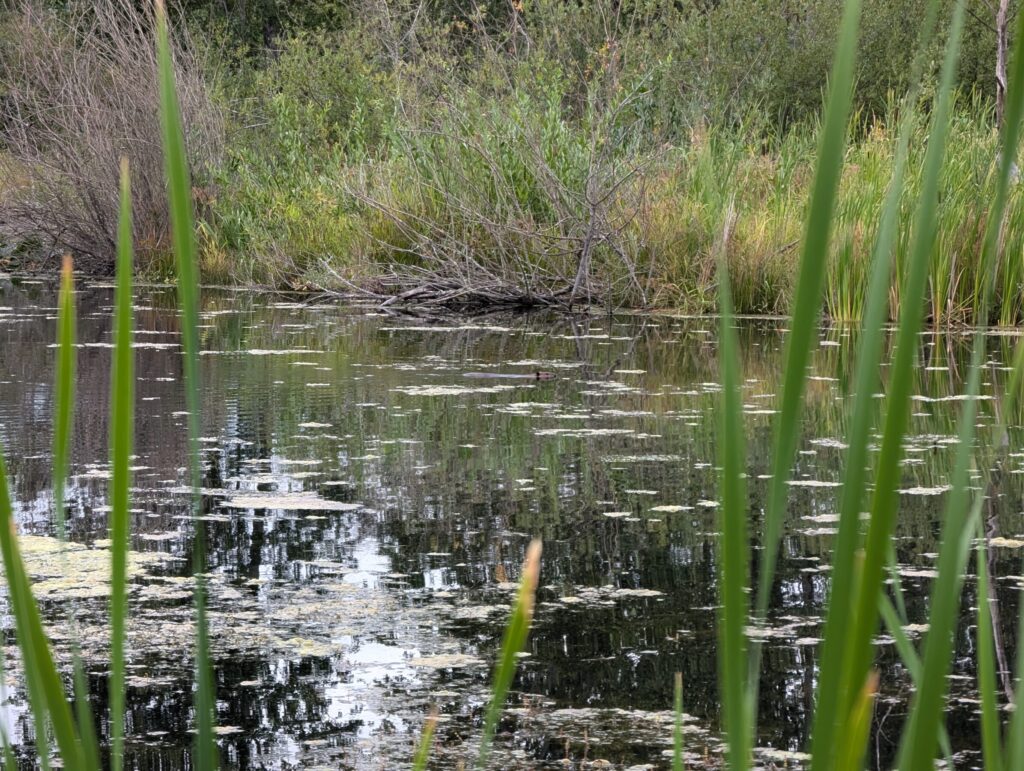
(1002, 45)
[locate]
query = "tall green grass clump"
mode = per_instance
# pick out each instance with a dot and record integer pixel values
(847, 682)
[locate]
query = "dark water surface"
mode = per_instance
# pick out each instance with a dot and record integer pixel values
(368, 507)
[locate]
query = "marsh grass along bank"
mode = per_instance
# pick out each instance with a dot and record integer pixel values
(444, 157)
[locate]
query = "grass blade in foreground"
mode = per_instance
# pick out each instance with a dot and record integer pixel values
(179, 193)
(859, 727)
(677, 730)
(807, 300)
(515, 638)
(866, 383)
(122, 406)
(63, 412)
(918, 742)
(924, 723)
(419, 762)
(64, 392)
(733, 564)
(43, 679)
(859, 650)
(992, 754)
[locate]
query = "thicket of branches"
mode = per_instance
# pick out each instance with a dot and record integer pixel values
(78, 90)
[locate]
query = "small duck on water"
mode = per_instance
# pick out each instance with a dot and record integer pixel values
(537, 375)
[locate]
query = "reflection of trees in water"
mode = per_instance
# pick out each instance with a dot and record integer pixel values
(438, 495)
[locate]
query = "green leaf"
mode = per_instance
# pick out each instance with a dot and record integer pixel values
(991, 741)
(677, 732)
(827, 720)
(49, 701)
(419, 762)
(859, 650)
(516, 632)
(733, 560)
(122, 408)
(179, 193)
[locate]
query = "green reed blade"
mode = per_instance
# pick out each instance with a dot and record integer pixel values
(733, 565)
(33, 681)
(924, 720)
(892, 565)
(10, 762)
(859, 649)
(991, 741)
(908, 655)
(63, 417)
(41, 672)
(858, 730)
(1014, 757)
(514, 640)
(917, 746)
(1013, 389)
(83, 711)
(5, 742)
(808, 299)
(835, 635)
(179, 193)
(806, 318)
(64, 386)
(677, 731)
(419, 762)
(122, 408)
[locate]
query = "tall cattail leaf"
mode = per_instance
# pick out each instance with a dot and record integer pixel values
(924, 722)
(733, 560)
(991, 742)
(859, 649)
(63, 416)
(803, 328)
(515, 638)
(858, 729)
(122, 407)
(926, 710)
(179, 193)
(837, 617)
(50, 700)
(677, 731)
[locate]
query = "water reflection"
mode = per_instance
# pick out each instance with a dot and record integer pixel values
(369, 505)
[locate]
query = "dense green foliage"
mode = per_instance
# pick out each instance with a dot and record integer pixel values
(541, 151)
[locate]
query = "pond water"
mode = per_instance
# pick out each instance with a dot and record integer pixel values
(368, 507)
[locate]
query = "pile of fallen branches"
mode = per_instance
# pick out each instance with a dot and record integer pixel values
(421, 288)
(532, 207)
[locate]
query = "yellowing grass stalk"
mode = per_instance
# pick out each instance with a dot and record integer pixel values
(677, 732)
(419, 762)
(515, 638)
